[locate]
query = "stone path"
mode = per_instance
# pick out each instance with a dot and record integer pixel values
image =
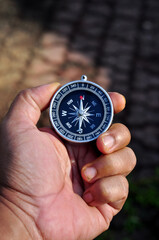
(116, 43)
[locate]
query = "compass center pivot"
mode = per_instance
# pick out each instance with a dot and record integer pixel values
(80, 113)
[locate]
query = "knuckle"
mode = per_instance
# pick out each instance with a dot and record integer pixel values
(125, 131)
(26, 96)
(120, 126)
(131, 157)
(103, 190)
(106, 165)
(121, 132)
(124, 186)
(112, 190)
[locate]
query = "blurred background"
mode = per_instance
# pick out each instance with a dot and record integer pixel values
(116, 44)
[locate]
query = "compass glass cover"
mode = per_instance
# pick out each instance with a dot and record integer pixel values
(80, 112)
(84, 111)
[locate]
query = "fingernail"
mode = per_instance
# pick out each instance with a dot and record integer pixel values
(108, 141)
(57, 84)
(90, 173)
(88, 197)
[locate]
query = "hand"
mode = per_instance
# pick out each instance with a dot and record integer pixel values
(40, 175)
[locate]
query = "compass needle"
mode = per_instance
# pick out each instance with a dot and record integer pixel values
(80, 111)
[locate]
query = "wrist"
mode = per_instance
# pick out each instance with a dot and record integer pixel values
(16, 222)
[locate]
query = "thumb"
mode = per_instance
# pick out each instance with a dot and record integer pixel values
(29, 103)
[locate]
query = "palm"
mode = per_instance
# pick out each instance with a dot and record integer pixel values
(54, 166)
(44, 173)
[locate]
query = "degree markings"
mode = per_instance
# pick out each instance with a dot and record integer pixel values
(87, 118)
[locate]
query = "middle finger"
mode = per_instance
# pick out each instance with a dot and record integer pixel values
(117, 137)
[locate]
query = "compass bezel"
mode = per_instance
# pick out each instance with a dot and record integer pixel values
(52, 119)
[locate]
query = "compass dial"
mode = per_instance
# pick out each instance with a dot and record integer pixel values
(80, 111)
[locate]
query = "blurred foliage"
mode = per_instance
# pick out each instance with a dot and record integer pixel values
(139, 216)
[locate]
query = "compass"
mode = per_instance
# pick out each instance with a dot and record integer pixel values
(81, 110)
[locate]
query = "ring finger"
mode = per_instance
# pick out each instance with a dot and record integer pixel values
(121, 162)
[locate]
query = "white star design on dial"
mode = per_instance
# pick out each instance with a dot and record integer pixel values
(81, 114)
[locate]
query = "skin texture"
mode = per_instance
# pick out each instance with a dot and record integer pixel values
(48, 184)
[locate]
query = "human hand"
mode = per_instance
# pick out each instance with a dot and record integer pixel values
(40, 176)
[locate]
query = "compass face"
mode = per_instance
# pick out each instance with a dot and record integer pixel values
(80, 111)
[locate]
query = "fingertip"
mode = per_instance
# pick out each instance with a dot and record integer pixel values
(48, 89)
(101, 145)
(88, 197)
(118, 100)
(54, 86)
(105, 143)
(89, 173)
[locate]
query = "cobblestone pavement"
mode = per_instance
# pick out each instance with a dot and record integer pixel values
(115, 43)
